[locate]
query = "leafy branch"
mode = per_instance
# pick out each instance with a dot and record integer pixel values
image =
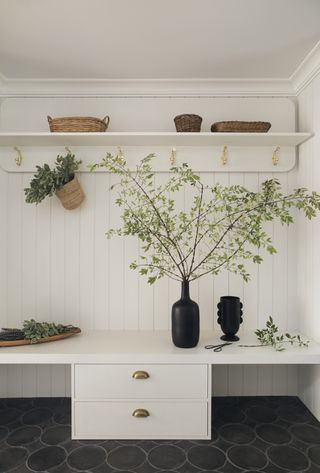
(270, 336)
(223, 226)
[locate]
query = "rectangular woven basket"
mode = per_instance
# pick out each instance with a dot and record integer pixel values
(240, 127)
(78, 124)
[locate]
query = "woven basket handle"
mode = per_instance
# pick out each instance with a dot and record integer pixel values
(49, 119)
(106, 118)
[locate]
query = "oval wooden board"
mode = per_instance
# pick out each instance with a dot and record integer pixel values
(15, 343)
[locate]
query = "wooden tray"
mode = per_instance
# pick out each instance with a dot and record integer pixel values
(15, 343)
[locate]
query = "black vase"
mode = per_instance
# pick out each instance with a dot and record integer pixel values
(230, 317)
(185, 320)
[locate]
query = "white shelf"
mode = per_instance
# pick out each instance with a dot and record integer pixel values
(153, 347)
(154, 139)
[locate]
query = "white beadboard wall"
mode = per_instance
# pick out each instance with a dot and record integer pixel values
(58, 265)
(308, 175)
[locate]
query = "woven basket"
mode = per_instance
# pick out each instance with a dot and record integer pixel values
(71, 194)
(78, 124)
(188, 123)
(240, 127)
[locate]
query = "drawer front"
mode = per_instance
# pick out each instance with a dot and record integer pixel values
(103, 419)
(155, 382)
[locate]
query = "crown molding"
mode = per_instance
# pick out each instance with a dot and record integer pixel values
(143, 87)
(307, 70)
(60, 87)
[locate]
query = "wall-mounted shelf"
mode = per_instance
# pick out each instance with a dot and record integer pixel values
(204, 152)
(153, 139)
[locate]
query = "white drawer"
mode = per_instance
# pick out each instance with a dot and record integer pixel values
(117, 382)
(175, 419)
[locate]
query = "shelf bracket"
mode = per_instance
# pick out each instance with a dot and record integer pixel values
(18, 158)
(275, 156)
(173, 157)
(224, 155)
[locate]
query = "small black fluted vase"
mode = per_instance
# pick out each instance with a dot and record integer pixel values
(230, 317)
(185, 320)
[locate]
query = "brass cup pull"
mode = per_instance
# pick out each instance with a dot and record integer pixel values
(140, 413)
(140, 375)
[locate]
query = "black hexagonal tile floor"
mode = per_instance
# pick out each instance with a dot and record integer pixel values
(247, 457)
(206, 458)
(266, 434)
(288, 458)
(37, 416)
(126, 457)
(8, 415)
(11, 458)
(57, 434)
(24, 435)
(306, 433)
(46, 458)
(273, 434)
(167, 457)
(237, 433)
(86, 458)
(262, 414)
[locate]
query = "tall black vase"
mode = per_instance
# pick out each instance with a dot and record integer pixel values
(185, 320)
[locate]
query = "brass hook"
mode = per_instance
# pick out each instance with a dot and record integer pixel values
(224, 155)
(18, 158)
(173, 157)
(275, 156)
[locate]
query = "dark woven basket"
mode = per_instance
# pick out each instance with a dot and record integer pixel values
(188, 123)
(240, 127)
(78, 124)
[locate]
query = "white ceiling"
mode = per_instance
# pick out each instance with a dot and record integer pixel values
(156, 39)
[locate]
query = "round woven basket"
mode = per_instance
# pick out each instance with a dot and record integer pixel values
(78, 124)
(240, 127)
(188, 122)
(71, 194)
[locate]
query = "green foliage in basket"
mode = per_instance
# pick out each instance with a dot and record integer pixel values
(46, 180)
(219, 229)
(34, 331)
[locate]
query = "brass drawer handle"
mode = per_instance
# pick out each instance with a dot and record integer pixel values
(140, 413)
(140, 375)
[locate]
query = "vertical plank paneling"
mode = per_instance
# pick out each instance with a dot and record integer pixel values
(83, 257)
(206, 283)
(28, 297)
(251, 288)
(116, 266)
(220, 380)
(235, 281)
(292, 263)
(308, 243)
(162, 307)
(3, 247)
(3, 268)
(280, 264)
(221, 282)
(265, 273)
(58, 263)
(101, 217)
(14, 248)
(265, 307)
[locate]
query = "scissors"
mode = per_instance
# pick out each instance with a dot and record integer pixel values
(217, 348)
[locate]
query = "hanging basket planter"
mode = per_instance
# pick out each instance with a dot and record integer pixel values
(71, 194)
